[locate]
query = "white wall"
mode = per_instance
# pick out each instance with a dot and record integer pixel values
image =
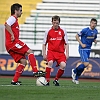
(2, 39)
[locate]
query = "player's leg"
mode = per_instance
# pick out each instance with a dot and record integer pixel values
(61, 61)
(32, 61)
(77, 71)
(85, 62)
(50, 60)
(18, 58)
(19, 71)
(59, 73)
(23, 49)
(48, 71)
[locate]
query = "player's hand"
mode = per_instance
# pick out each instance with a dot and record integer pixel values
(83, 45)
(12, 38)
(45, 57)
(67, 57)
(95, 42)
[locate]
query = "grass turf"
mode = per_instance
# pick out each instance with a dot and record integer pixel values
(86, 90)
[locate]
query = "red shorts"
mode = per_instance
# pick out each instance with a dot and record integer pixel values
(56, 56)
(18, 51)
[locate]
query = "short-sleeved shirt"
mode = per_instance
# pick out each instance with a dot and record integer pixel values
(17, 48)
(13, 22)
(87, 37)
(56, 39)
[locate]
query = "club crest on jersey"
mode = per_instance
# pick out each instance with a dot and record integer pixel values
(93, 35)
(59, 32)
(17, 27)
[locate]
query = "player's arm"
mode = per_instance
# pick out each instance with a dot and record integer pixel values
(8, 28)
(67, 51)
(44, 52)
(66, 44)
(44, 46)
(95, 41)
(78, 39)
(11, 20)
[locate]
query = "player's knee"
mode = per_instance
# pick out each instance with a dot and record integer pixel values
(86, 64)
(29, 51)
(50, 63)
(62, 65)
(23, 61)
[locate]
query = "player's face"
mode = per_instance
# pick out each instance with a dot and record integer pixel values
(19, 12)
(55, 24)
(93, 24)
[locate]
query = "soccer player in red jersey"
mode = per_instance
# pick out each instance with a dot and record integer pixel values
(15, 47)
(56, 44)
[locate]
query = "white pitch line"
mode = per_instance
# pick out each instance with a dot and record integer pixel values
(8, 85)
(17, 85)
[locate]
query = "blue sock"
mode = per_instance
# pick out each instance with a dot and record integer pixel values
(75, 70)
(79, 70)
(76, 78)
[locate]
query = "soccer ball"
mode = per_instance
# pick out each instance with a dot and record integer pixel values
(41, 81)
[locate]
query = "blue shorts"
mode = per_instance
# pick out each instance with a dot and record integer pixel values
(84, 54)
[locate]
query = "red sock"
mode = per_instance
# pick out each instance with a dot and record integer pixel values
(32, 62)
(47, 76)
(59, 74)
(19, 71)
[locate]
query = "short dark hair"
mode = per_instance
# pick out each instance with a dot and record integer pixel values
(14, 7)
(93, 19)
(56, 18)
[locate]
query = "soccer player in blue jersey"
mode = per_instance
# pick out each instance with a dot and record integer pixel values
(85, 38)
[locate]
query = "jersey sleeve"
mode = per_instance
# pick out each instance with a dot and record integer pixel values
(11, 20)
(45, 37)
(95, 37)
(82, 32)
(96, 34)
(65, 36)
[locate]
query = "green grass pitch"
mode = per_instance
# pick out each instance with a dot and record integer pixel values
(86, 90)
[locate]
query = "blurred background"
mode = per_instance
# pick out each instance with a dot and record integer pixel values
(36, 18)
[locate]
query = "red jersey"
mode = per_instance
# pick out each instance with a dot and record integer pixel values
(13, 22)
(56, 39)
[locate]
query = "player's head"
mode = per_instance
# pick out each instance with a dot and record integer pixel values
(16, 9)
(55, 21)
(93, 23)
